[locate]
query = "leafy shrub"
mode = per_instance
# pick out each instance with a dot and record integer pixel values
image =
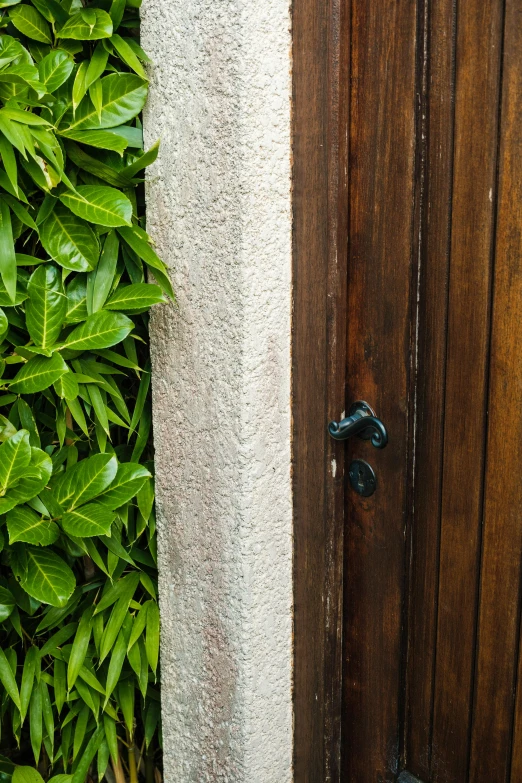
(79, 621)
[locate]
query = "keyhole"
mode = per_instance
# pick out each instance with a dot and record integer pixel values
(360, 482)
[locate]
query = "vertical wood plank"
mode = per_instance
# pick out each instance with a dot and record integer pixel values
(502, 537)
(479, 25)
(382, 136)
(318, 385)
(434, 238)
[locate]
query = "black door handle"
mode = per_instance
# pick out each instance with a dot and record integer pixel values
(363, 422)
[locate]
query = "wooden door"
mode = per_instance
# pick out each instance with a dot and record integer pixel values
(408, 244)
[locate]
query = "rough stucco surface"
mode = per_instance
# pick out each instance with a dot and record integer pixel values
(219, 211)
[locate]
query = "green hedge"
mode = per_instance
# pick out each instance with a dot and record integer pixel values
(79, 621)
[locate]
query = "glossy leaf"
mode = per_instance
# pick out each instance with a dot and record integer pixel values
(47, 305)
(86, 480)
(8, 680)
(139, 296)
(99, 204)
(97, 138)
(123, 97)
(39, 373)
(15, 456)
(87, 25)
(7, 252)
(55, 69)
(32, 24)
(27, 775)
(49, 579)
(70, 241)
(100, 330)
(126, 485)
(93, 519)
(7, 603)
(26, 525)
(79, 648)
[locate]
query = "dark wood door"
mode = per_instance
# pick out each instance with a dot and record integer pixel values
(432, 560)
(408, 294)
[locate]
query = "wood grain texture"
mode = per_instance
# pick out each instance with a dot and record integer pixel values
(381, 165)
(318, 383)
(498, 627)
(479, 25)
(433, 237)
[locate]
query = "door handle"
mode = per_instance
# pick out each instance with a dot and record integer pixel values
(363, 422)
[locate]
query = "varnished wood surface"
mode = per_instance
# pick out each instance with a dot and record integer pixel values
(408, 292)
(380, 208)
(498, 632)
(319, 277)
(438, 27)
(478, 57)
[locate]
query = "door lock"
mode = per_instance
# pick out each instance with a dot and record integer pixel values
(363, 422)
(362, 478)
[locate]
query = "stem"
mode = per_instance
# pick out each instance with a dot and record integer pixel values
(117, 769)
(149, 764)
(133, 772)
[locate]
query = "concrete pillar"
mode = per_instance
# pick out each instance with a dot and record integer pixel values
(219, 210)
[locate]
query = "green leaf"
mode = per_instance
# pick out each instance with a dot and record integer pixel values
(28, 674)
(142, 162)
(99, 204)
(52, 10)
(10, 165)
(49, 579)
(25, 525)
(97, 64)
(138, 625)
(151, 721)
(79, 86)
(60, 690)
(100, 330)
(89, 753)
(123, 589)
(119, 653)
(7, 603)
(111, 736)
(152, 635)
(126, 485)
(35, 722)
(85, 480)
(47, 712)
(87, 25)
(123, 97)
(71, 242)
(127, 55)
(55, 69)
(138, 296)
(90, 520)
(77, 300)
(97, 138)
(47, 306)
(29, 22)
(103, 275)
(28, 487)
(66, 387)
(138, 241)
(27, 775)
(7, 679)
(15, 456)
(7, 252)
(39, 373)
(79, 648)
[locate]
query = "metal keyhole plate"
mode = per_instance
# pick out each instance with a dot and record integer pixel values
(362, 478)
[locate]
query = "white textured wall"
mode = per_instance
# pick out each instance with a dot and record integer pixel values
(219, 210)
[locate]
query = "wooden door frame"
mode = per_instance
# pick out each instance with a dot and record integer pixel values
(320, 166)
